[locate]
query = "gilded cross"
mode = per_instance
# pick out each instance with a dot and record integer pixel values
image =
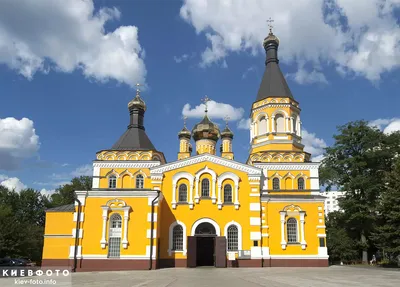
(184, 121)
(138, 89)
(270, 21)
(227, 118)
(205, 101)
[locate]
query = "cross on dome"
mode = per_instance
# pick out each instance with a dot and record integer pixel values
(270, 21)
(205, 101)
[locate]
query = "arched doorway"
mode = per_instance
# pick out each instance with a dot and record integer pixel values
(205, 244)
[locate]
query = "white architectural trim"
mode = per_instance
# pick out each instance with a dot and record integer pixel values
(235, 190)
(299, 256)
(80, 233)
(255, 221)
(96, 177)
(72, 251)
(197, 178)
(206, 158)
(81, 196)
(81, 216)
(203, 220)
(57, 236)
(125, 164)
(239, 227)
(175, 178)
(121, 193)
(255, 206)
(288, 166)
(321, 235)
(170, 238)
(255, 235)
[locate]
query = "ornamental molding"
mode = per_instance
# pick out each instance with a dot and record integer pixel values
(122, 193)
(291, 166)
(276, 105)
(126, 164)
(250, 170)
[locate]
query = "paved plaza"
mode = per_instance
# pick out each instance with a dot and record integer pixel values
(231, 277)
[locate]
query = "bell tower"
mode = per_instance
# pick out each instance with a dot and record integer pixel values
(275, 131)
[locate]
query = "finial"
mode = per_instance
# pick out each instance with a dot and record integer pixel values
(138, 89)
(270, 21)
(205, 101)
(226, 118)
(184, 121)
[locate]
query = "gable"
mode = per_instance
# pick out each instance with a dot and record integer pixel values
(250, 170)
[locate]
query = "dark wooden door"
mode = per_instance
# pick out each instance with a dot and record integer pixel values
(191, 251)
(220, 251)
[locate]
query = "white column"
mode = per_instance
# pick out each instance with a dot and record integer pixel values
(219, 196)
(273, 124)
(213, 198)
(191, 196)
(126, 218)
(299, 128)
(196, 197)
(267, 119)
(251, 131)
(283, 241)
(287, 124)
(236, 195)
(173, 195)
(303, 240)
(103, 240)
(291, 124)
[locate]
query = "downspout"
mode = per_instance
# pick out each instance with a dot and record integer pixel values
(78, 219)
(151, 230)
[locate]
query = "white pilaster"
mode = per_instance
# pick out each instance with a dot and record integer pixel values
(291, 124)
(173, 203)
(103, 240)
(267, 119)
(191, 196)
(303, 240)
(126, 218)
(96, 177)
(283, 241)
(219, 196)
(273, 124)
(213, 198)
(236, 195)
(196, 197)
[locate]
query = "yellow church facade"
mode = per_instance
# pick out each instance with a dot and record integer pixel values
(205, 208)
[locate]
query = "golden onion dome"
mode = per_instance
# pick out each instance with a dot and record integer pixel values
(227, 133)
(206, 129)
(137, 102)
(184, 133)
(271, 38)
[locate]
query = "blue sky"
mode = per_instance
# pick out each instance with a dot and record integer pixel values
(72, 74)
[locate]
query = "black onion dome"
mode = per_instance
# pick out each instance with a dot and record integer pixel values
(227, 133)
(206, 129)
(184, 133)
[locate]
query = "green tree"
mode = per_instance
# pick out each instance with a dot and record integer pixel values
(66, 194)
(356, 163)
(387, 234)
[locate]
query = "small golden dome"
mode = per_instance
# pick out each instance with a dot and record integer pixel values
(271, 38)
(184, 133)
(227, 133)
(137, 102)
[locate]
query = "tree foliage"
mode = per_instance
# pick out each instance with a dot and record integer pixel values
(358, 163)
(22, 217)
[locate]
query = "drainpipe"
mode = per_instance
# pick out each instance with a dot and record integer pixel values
(151, 230)
(78, 219)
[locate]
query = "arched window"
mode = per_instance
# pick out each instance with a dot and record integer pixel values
(228, 193)
(139, 181)
(205, 188)
(182, 193)
(233, 239)
(177, 238)
(114, 241)
(291, 230)
(279, 123)
(112, 181)
(262, 126)
(294, 123)
(276, 184)
(300, 183)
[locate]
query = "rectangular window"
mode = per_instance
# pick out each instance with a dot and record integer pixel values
(255, 243)
(321, 242)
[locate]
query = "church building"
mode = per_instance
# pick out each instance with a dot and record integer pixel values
(205, 208)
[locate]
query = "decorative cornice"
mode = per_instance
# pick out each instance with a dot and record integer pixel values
(288, 166)
(206, 158)
(122, 193)
(126, 164)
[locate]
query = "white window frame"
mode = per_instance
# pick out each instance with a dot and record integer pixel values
(170, 239)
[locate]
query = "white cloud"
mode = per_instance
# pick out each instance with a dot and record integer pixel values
(12, 183)
(182, 58)
(303, 77)
(40, 36)
(244, 124)
(18, 141)
(313, 145)
(215, 110)
(387, 125)
(47, 192)
(251, 69)
(85, 170)
(356, 37)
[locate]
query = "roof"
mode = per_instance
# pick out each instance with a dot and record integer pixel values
(134, 138)
(273, 83)
(62, 208)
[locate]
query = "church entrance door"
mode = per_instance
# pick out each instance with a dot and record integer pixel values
(201, 247)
